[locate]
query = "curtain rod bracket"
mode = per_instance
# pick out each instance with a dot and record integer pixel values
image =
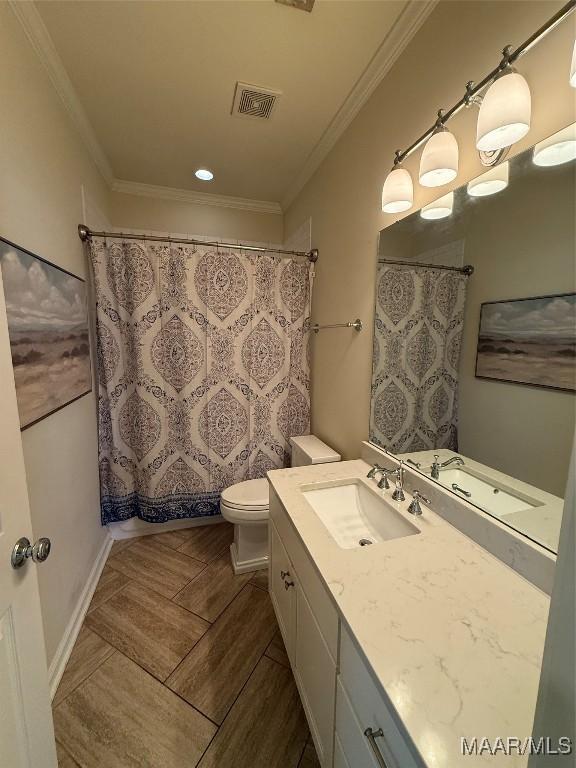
(313, 256)
(83, 232)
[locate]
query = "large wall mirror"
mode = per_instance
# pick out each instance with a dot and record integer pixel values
(474, 368)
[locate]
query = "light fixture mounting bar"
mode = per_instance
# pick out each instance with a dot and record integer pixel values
(509, 56)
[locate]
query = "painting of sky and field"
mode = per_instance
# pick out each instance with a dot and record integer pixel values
(529, 341)
(48, 327)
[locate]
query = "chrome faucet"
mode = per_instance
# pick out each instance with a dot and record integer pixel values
(398, 494)
(414, 507)
(437, 466)
(377, 469)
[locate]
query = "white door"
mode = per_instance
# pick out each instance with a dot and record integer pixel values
(26, 731)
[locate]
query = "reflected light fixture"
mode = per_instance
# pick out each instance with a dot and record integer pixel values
(398, 191)
(557, 149)
(494, 180)
(440, 208)
(439, 161)
(504, 116)
(204, 174)
(573, 68)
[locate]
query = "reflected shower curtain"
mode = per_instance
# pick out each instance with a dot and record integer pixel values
(417, 338)
(203, 372)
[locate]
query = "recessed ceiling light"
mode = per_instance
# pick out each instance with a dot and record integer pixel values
(204, 174)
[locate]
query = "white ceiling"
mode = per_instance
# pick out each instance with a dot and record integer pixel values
(156, 81)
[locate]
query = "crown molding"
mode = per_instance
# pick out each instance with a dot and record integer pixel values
(39, 37)
(198, 198)
(405, 27)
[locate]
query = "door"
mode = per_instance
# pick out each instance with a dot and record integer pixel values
(282, 583)
(26, 732)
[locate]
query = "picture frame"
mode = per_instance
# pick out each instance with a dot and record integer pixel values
(530, 341)
(47, 313)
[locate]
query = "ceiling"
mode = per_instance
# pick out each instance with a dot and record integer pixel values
(156, 82)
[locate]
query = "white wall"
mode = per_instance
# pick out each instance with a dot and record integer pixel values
(43, 165)
(459, 41)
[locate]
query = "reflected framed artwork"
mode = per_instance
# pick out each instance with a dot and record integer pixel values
(529, 341)
(48, 329)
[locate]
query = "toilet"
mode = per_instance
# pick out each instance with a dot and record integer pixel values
(246, 506)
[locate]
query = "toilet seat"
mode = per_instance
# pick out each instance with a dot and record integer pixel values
(246, 502)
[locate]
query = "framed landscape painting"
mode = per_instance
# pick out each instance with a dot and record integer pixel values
(48, 328)
(529, 341)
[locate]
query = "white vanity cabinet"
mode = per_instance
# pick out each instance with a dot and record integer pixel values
(339, 696)
(309, 625)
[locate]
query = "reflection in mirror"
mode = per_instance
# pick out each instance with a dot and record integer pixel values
(474, 366)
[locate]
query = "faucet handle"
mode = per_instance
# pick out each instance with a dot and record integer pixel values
(414, 507)
(419, 497)
(372, 472)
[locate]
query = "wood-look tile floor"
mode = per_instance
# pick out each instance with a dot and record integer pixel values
(180, 664)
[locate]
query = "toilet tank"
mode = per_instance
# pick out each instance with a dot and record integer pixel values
(308, 449)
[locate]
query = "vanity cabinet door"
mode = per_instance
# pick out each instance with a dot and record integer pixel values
(282, 584)
(315, 673)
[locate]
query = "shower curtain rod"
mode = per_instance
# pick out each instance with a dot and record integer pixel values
(467, 269)
(84, 233)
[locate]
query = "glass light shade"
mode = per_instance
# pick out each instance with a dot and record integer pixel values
(573, 68)
(398, 191)
(504, 116)
(490, 182)
(204, 174)
(440, 208)
(439, 161)
(557, 149)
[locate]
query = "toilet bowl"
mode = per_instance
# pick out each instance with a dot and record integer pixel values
(245, 505)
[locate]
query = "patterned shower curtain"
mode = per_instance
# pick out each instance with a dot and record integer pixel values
(417, 338)
(203, 372)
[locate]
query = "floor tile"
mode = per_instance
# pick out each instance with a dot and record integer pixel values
(213, 673)
(260, 579)
(121, 544)
(64, 759)
(110, 582)
(148, 628)
(88, 653)
(206, 542)
(277, 651)
(266, 727)
(309, 757)
(155, 566)
(122, 717)
(173, 539)
(213, 589)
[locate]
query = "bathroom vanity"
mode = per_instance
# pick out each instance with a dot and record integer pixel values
(400, 646)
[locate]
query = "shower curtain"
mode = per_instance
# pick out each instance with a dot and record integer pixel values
(417, 338)
(203, 372)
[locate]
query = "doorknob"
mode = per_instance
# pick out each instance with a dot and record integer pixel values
(38, 551)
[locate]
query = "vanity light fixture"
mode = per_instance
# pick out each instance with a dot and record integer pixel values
(505, 103)
(557, 149)
(204, 174)
(398, 191)
(494, 180)
(504, 116)
(440, 208)
(439, 161)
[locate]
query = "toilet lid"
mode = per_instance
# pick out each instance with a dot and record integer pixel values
(252, 494)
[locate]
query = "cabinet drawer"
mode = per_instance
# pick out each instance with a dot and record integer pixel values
(371, 708)
(350, 734)
(309, 579)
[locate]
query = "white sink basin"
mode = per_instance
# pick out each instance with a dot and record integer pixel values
(485, 493)
(356, 516)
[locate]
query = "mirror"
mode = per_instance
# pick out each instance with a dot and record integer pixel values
(474, 370)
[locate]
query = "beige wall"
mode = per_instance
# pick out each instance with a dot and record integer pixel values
(460, 41)
(137, 212)
(43, 165)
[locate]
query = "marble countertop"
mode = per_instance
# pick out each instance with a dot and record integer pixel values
(452, 636)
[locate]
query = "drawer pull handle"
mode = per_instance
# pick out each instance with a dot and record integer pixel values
(372, 735)
(288, 584)
(283, 574)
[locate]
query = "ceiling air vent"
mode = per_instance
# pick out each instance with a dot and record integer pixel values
(254, 101)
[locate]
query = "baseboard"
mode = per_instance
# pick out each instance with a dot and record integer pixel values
(58, 664)
(135, 527)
